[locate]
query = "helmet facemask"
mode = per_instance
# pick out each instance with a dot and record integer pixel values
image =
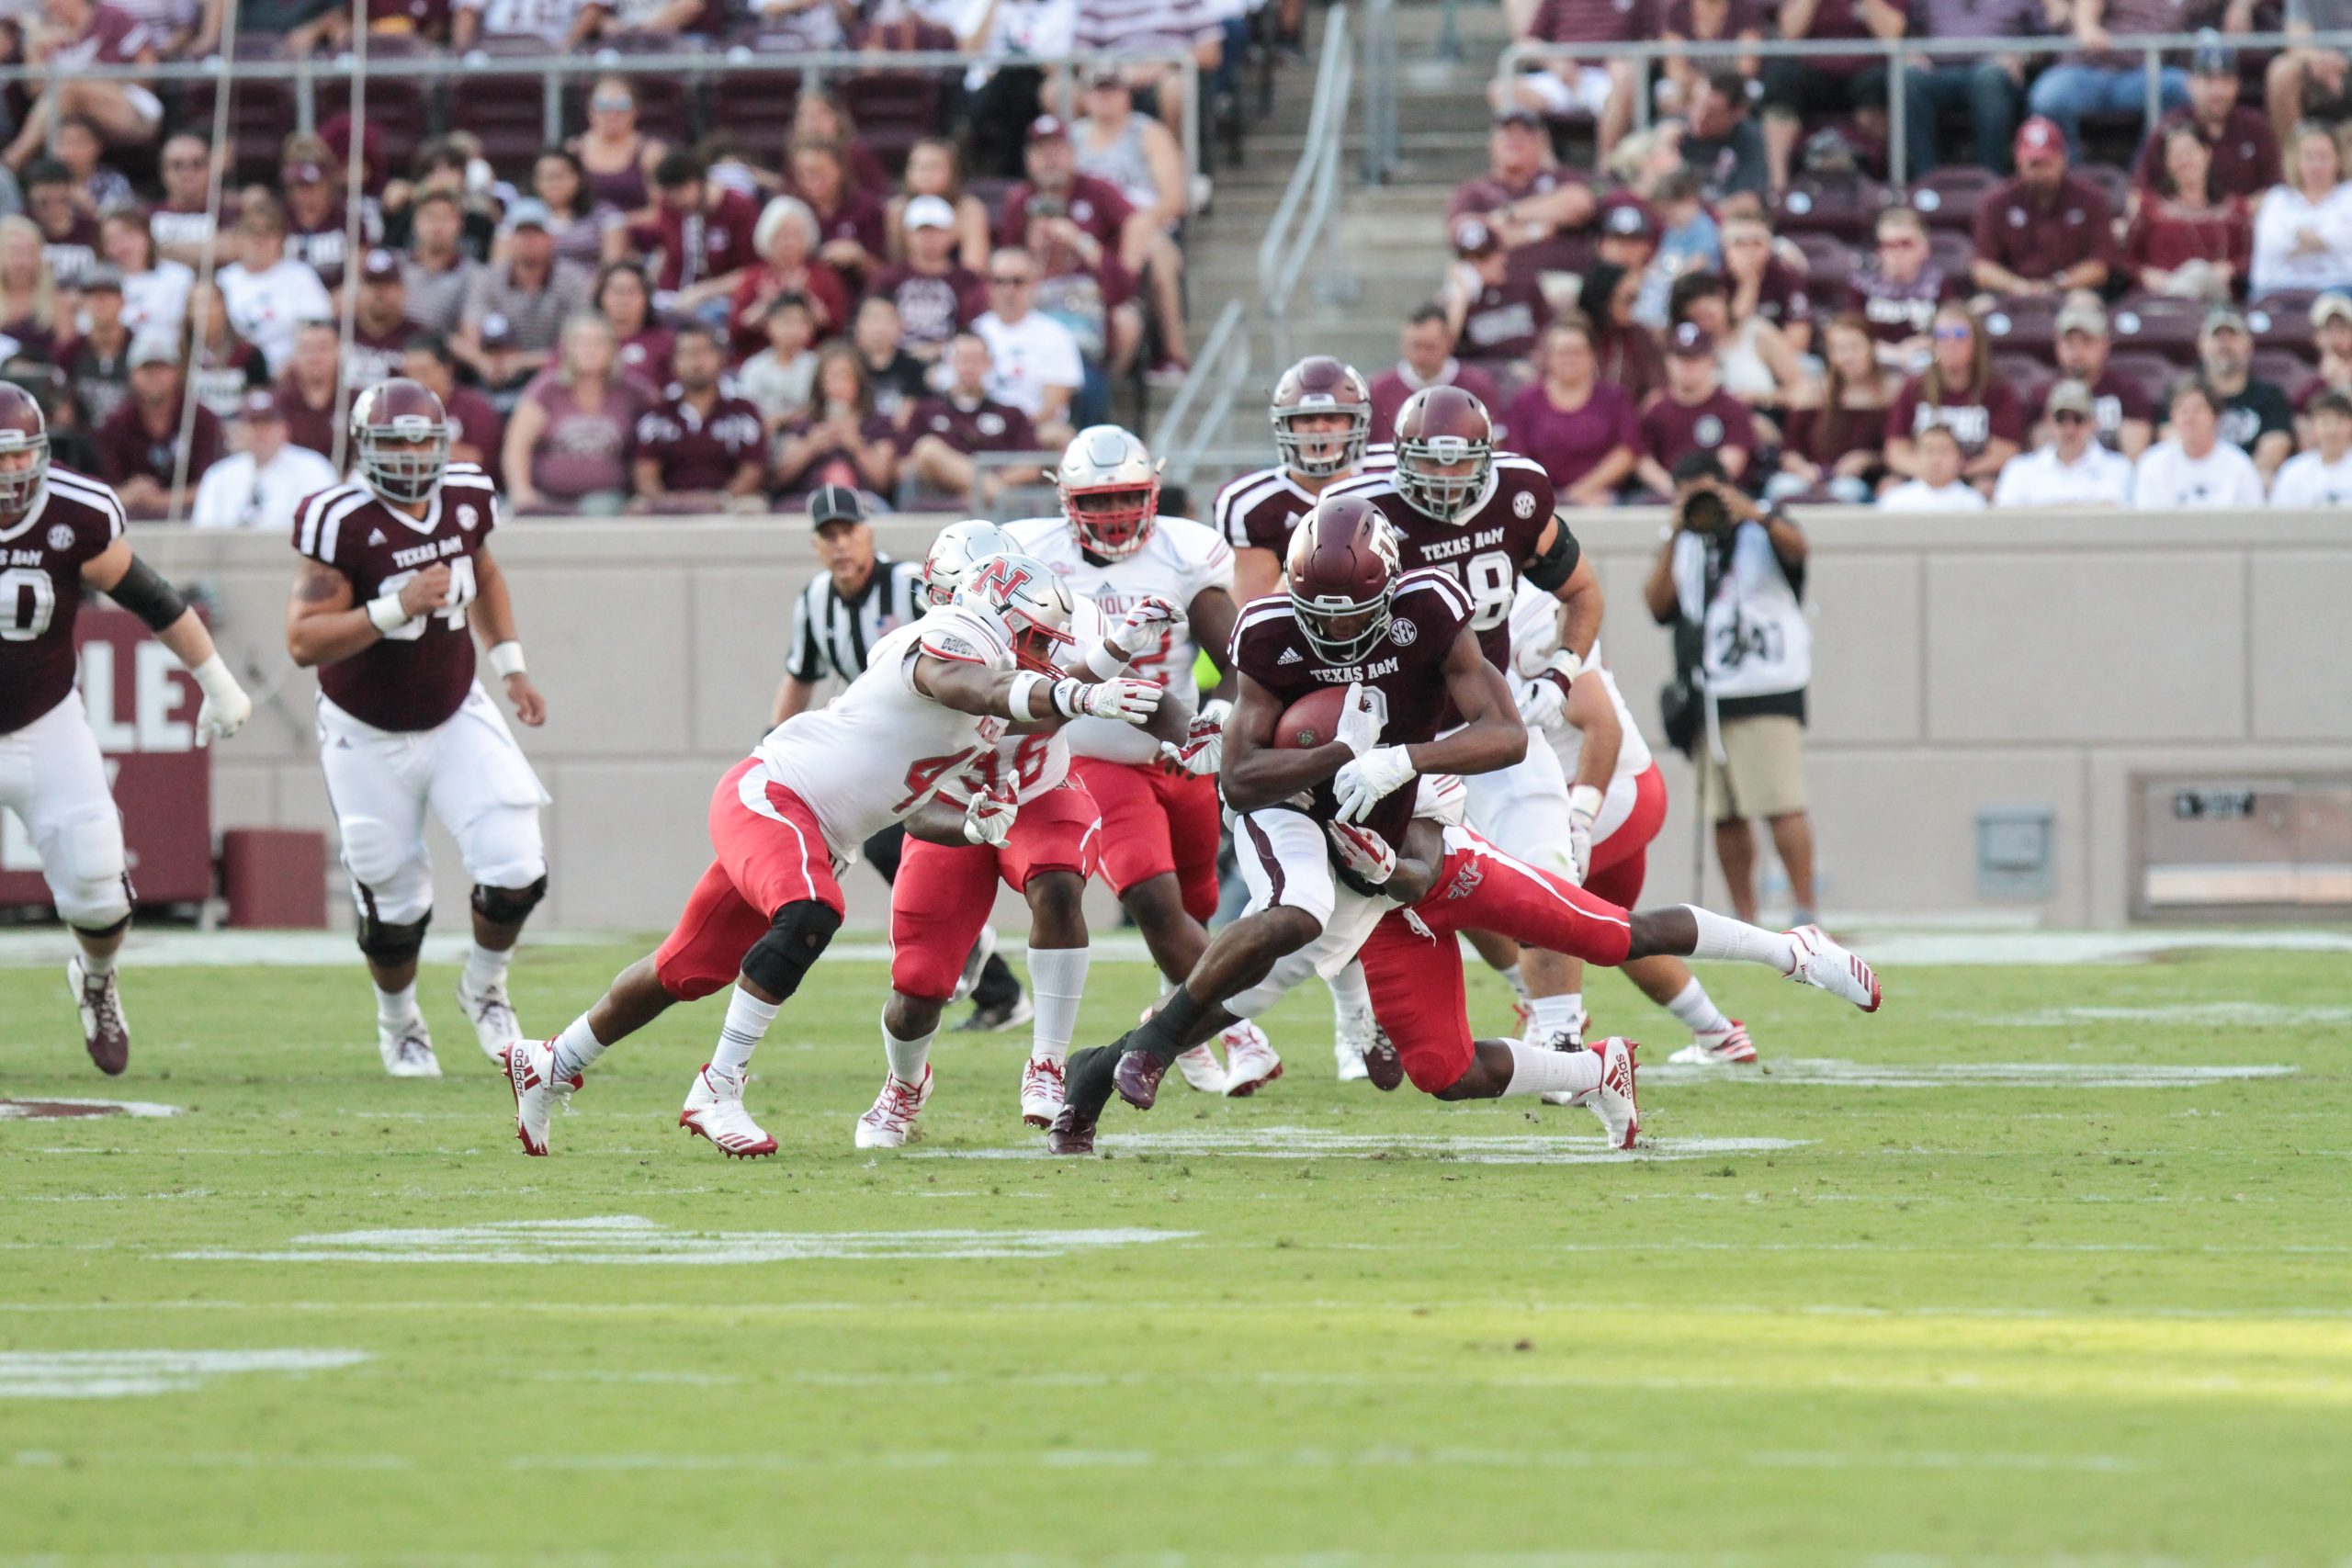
(19, 483)
(1344, 631)
(1444, 497)
(1320, 454)
(406, 461)
(1112, 521)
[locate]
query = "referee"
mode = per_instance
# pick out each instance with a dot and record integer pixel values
(860, 598)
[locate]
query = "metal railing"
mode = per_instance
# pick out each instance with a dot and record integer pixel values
(1379, 67)
(1295, 231)
(1902, 53)
(1197, 412)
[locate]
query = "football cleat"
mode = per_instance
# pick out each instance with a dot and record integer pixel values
(1041, 1091)
(1202, 1070)
(1382, 1063)
(493, 1017)
(1072, 1134)
(1352, 1033)
(1822, 963)
(1137, 1075)
(1249, 1061)
(997, 1018)
(1717, 1047)
(105, 1031)
(891, 1121)
(1620, 1118)
(407, 1051)
(530, 1073)
(714, 1109)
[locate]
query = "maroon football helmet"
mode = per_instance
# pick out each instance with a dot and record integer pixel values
(22, 429)
(1343, 576)
(1443, 428)
(1321, 385)
(402, 435)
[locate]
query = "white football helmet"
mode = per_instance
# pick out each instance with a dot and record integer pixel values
(1033, 604)
(959, 548)
(1110, 487)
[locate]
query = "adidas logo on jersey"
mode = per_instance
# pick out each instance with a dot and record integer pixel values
(1291, 656)
(375, 536)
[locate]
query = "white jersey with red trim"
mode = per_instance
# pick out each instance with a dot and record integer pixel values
(1534, 638)
(872, 755)
(1180, 560)
(1031, 763)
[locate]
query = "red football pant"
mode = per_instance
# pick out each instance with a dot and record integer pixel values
(944, 891)
(1157, 820)
(1620, 862)
(771, 853)
(1413, 961)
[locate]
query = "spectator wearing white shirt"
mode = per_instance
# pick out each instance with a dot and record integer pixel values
(1035, 365)
(259, 487)
(2323, 476)
(2303, 228)
(2074, 469)
(269, 295)
(1938, 486)
(155, 289)
(2194, 469)
(567, 24)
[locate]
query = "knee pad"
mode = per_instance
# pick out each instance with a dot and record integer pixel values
(508, 905)
(83, 862)
(794, 941)
(392, 943)
(99, 933)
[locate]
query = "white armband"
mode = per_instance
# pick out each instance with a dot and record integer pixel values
(506, 658)
(1024, 688)
(387, 613)
(1104, 660)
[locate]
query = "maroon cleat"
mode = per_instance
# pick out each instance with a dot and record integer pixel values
(1073, 1132)
(1382, 1065)
(1137, 1077)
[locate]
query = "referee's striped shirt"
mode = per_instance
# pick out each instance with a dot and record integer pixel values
(831, 635)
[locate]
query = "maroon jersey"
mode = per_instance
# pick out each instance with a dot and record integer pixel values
(73, 254)
(1504, 321)
(414, 678)
(376, 356)
(1988, 413)
(1672, 431)
(696, 246)
(932, 308)
(308, 423)
(2039, 240)
(327, 248)
(697, 453)
(1484, 549)
(1899, 311)
(982, 425)
(1094, 206)
(41, 555)
(1429, 612)
(1257, 511)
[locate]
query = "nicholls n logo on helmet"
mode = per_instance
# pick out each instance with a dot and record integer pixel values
(1000, 579)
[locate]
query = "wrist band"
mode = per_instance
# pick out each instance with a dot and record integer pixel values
(1021, 698)
(1069, 692)
(1585, 798)
(212, 677)
(1104, 660)
(506, 658)
(387, 613)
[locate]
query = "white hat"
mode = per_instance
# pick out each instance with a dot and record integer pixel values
(929, 213)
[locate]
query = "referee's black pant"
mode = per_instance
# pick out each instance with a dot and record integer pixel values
(997, 987)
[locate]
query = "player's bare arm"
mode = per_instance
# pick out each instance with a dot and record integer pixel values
(1418, 860)
(1022, 694)
(1561, 569)
(323, 625)
(1255, 773)
(494, 620)
(793, 696)
(139, 588)
(1595, 717)
(1211, 614)
(1256, 573)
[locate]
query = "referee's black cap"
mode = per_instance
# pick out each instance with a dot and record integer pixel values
(835, 503)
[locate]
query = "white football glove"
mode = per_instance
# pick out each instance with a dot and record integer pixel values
(1541, 703)
(1128, 700)
(1370, 779)
(988, 817)
(1359, 728)
(1566, 665)
(225, 707)
(1363, 852)
(1143, 626)
(1584, 805)
(1203, 748)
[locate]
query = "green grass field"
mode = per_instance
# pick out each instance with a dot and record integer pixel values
(1893, 1303)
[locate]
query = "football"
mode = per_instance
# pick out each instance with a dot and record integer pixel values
(1312, 720)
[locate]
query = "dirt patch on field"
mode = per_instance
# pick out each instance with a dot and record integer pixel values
(59, 1109)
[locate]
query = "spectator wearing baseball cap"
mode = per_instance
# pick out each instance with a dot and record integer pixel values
(1496, 316)
(2240, 144)
(258, 486)
(2193, 468)
(139, 445)
(2255, 416)
(2303, 226)
(2322, 475)
(317, 213)
(2101, 80)
(1093, 206)
(98, 364)
(1694, 413)
(2332, 327)
(1524, 198)
(2123, 416)
(936, 168)
(2046, 231)
(380, 330)
(937, 296)
(2192, 237)
(2072, 468)
(515, 310)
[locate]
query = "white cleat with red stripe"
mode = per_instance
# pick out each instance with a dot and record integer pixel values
(1613, 1101)
(714, 1109)
(1718, 1048)
(891, 1121)
(1041, 1092)
(1250, 1060)
(1822, 963)
(1202, 1070)
(530, 1073)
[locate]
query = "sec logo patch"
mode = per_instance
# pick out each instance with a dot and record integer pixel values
(1403, 633)
(467, 517)
(60, 536)
(1522, 506)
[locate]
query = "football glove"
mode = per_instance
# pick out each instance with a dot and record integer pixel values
(225, 707)
(1359, 728)
(1540, 703)
(1124, 699)
(1143, 626)
(1361, 851)
(988, 817)
(1203, 748)
(1584, 805)
(1370, 779)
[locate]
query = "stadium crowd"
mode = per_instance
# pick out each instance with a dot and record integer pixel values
(2066, 308)
(683, 307)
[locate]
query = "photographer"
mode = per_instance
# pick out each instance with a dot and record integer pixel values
(1730, 581)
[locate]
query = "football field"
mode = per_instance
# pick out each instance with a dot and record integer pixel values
(2046, 1263)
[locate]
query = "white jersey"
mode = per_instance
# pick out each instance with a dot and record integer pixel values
(1534, 638)
(1031, 763)
(881, 749)
(1178, 560)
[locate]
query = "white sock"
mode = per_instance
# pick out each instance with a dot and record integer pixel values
(1056, 981)
(1351, 993)
(908, 1057)
(1692, 1007)
(1556, 1012)
(395, 1009)
(93, 965)
(1537, 1071)
(576, 1049)
(1517, 980)
(485, 968)
(747, 1020)
(1722, 937)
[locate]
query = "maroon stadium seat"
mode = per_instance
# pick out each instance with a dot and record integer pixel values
(262, 114)
(2023, 325)
(2284, 369)
(2113, 183)
(1948, 198)
(2028, 376)
(1845, 208)
(665, 108)
(2152, 373)
(895, 110)
(1828, 262)
(506, 108)
(2283, 321)
(754, 107)
(399, 114)
(1954, 250)
(2160, 326)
